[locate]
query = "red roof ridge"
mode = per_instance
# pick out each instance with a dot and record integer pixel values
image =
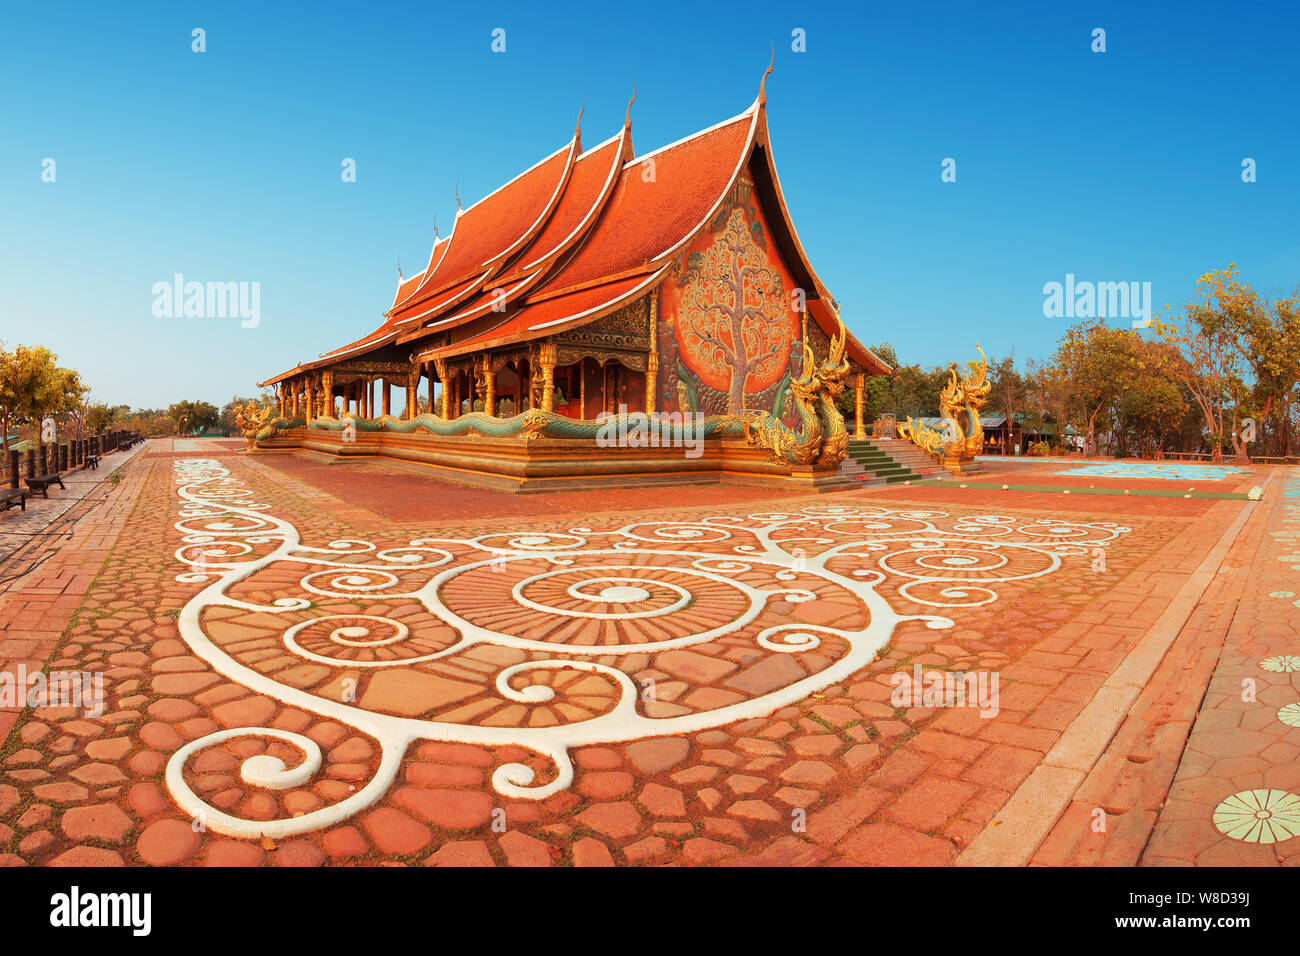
(753, 110)
(548, 257)
(429, 287)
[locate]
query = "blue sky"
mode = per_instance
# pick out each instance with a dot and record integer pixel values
(225, 165)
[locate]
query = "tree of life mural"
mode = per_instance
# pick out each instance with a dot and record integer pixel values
(734, 314)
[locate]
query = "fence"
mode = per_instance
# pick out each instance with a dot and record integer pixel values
(60, 457)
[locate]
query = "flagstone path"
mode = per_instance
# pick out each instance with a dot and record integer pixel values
(297, 675)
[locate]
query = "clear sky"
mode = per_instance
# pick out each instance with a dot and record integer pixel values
(226, 165)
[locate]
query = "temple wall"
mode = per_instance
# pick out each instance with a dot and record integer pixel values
(700, 366)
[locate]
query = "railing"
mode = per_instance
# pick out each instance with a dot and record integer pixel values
(60, 457)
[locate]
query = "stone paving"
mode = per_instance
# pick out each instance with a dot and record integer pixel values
(297, 675)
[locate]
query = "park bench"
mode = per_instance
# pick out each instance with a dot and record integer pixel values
(13, 496)
(92, 461)
(42, 483)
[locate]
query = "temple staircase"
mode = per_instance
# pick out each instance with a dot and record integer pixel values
(882, 461)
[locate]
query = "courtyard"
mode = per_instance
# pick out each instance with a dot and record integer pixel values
(306, 663)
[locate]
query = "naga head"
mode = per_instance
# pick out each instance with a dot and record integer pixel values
(831, 373)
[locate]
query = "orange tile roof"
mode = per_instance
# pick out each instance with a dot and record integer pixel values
(575, 233)
(499, 224)
(552, 314)
(594, 175)
(646, 217)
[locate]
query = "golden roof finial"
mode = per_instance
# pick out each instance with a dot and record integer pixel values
(458, 195)
(577, 126)
(627, 120)
(762, 84)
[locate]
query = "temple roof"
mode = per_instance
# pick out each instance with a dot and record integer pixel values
(580, 234)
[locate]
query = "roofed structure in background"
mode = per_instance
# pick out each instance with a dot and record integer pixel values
(603, 281)
(578, 235)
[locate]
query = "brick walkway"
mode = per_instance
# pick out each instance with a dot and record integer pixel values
(463, 677)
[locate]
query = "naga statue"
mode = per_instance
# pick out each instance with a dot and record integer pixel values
(821, 437)
(960, 436)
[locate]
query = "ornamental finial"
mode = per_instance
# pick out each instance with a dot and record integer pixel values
(762, 84)
(627, 120)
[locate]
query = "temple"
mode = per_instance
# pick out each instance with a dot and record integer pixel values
(669, 286)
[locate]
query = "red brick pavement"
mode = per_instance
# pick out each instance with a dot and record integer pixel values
(866, 782)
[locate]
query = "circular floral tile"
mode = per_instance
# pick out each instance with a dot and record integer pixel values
(1283, 663)
(1259, 816)
(1290, 714)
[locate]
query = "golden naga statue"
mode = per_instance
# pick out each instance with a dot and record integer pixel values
(821, 438)
(960, 436)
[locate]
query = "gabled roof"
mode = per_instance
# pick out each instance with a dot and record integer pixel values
(579, 234)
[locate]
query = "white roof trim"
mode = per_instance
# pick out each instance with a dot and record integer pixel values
(631, 292)
(594, 211)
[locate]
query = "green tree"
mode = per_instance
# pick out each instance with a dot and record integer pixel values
(33, 386)
(193, 417)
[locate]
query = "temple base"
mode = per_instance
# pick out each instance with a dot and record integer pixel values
(523, 465)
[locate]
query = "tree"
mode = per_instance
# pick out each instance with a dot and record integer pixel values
(1008, 386)
(33, 386)
(1209, 366)
(98, 417)
(735, 312)
(1099, 361)
(193, 417)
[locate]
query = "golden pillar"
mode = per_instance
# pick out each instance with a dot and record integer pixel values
(859, 431)
(279, 393)
(327, 386)
(441, 366)
(489, 387)
(546, 358)
(652, 363)
(311, 402)
(582, 389)
(295, 400)
(385, 395)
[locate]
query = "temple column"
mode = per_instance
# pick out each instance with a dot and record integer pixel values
(311, 403)
(327, 400)
(385, 396)
(582, 389)
(295, 400)
(280, 394)
(489, 388)
(441, 366)
(858, 430)
(546, 357)
(652, 363)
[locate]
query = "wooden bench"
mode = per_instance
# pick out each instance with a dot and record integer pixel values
(92, 461)
(13, 496)
(42, 483)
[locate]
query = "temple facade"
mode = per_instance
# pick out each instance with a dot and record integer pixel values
(598, 282)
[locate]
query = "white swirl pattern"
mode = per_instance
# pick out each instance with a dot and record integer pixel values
(638, 582)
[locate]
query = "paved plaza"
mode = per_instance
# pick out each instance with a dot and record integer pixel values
(305, 663)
